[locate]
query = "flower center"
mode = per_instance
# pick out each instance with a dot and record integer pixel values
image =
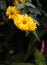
(12, 13)
(24, 22)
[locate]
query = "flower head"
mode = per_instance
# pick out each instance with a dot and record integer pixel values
(11, 12)
(24, 22)
(21, 1)
(15, 2)
(20, 22)
(32, 25)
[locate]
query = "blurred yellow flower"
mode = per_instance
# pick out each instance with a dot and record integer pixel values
(32, 26)
(21, 1)
(24, 22)
(11, 11)
(15, 2)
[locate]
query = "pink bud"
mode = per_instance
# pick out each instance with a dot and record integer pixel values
(42, 47)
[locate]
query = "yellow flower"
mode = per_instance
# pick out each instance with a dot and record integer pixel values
(24, 22)
(20, 23)
(12, 11)
(32, 26)
(15, 2)
(21, 1)
(30, 23)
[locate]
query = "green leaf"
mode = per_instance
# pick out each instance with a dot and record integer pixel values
(27, 33)
(20, 6)
(29, 4)
(23, 12)
(29, 1)
(34, 19)
(37, 22)
(34, 10)
(35, 33)
(39, 58)
(2, 4)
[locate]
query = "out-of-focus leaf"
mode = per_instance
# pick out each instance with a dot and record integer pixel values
(23, 12)
(45, 54)
(2, 4)
(34, 19)
(35, 33)
(22, 64)
(20, 6)
(17, 58)
(27, 32)
(39, 58)
(29, 1)
(37, 22)
(34, 10)
(29, 4)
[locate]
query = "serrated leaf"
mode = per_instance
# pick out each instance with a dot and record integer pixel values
(29, 4)
(20, 6)
(2, 4)
(35, 33)
(39, 58)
